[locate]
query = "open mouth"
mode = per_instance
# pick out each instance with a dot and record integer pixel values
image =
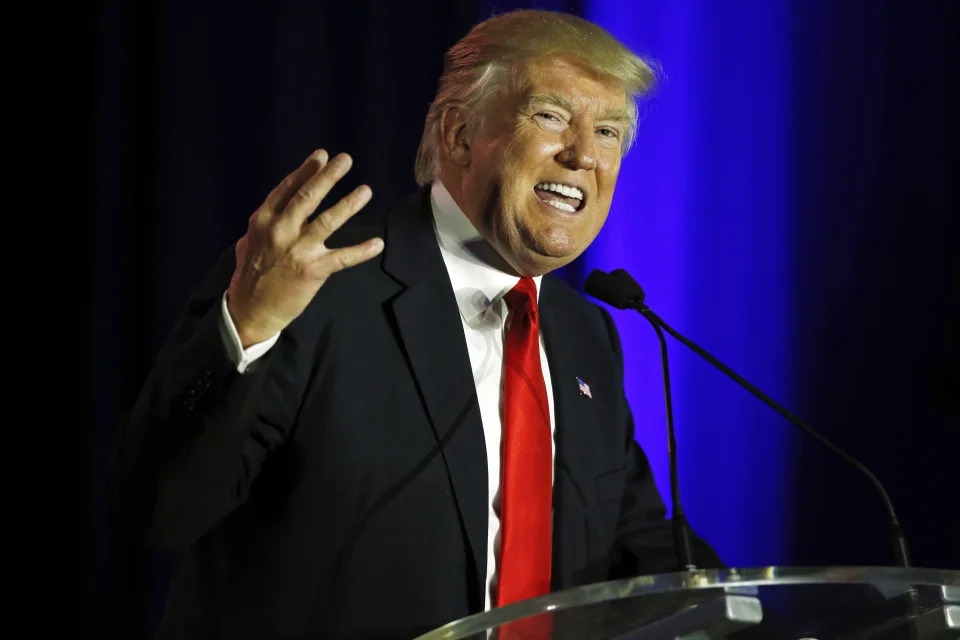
(561, 196)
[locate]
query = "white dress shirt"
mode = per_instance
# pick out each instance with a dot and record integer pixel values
(479, 289)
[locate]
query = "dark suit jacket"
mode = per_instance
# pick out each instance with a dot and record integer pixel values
(340, 488)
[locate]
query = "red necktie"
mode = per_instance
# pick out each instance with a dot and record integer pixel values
(526, 480)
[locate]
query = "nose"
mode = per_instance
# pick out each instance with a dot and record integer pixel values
(579, 150)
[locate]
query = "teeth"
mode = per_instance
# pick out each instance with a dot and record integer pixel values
(563, 206)
(562, 189)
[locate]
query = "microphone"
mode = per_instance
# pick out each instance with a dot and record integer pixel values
(620, 290)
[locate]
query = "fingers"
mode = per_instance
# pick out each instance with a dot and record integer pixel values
(281, 194)
(340, 259)
(336, 216)
(309, 194)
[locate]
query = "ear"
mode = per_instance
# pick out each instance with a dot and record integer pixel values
(453, 133)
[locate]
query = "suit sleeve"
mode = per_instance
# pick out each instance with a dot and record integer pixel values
(194, 440)
(644, 542)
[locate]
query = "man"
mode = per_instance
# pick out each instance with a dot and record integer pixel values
(371, 439)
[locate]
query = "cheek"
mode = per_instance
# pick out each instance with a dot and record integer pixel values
(607, 179)
(531, 148)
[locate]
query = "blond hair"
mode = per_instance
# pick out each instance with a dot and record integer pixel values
(484, 62)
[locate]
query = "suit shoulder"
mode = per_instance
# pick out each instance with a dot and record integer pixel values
(592, 320)
(353, 234)
(560, 293)
(373, 223)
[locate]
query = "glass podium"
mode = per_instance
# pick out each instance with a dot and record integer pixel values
(770, 603)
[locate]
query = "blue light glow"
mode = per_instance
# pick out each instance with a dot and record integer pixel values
(701, 218)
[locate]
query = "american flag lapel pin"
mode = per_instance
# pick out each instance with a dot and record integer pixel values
(584, 388)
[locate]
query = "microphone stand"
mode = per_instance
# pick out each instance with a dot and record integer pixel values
(681, 528)
(619, 289)
(897, 538)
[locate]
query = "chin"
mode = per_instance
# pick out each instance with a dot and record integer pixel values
(555, 243)
(538, 263)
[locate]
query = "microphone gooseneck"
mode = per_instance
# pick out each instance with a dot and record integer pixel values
(627, 293)
(619, 289)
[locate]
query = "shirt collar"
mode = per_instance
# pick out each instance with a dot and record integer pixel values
(476, 284)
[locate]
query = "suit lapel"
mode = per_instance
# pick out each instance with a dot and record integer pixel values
(427, 318)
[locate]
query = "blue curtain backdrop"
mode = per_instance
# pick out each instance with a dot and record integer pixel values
(791, 204)
(702, 219)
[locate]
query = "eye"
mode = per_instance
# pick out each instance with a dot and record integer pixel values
(606, 132)
(550, 117)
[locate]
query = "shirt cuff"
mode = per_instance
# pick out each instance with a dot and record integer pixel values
(241, 357)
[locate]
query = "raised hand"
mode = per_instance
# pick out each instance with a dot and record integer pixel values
(282, 260)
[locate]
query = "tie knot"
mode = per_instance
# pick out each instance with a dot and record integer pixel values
(523, 297)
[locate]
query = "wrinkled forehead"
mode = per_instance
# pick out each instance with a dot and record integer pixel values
(564, 82)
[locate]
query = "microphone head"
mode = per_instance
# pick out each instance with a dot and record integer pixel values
(617, 288)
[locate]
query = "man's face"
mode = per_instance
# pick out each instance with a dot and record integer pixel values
(543, 165)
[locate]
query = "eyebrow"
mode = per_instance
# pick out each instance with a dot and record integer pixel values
(616, 114)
